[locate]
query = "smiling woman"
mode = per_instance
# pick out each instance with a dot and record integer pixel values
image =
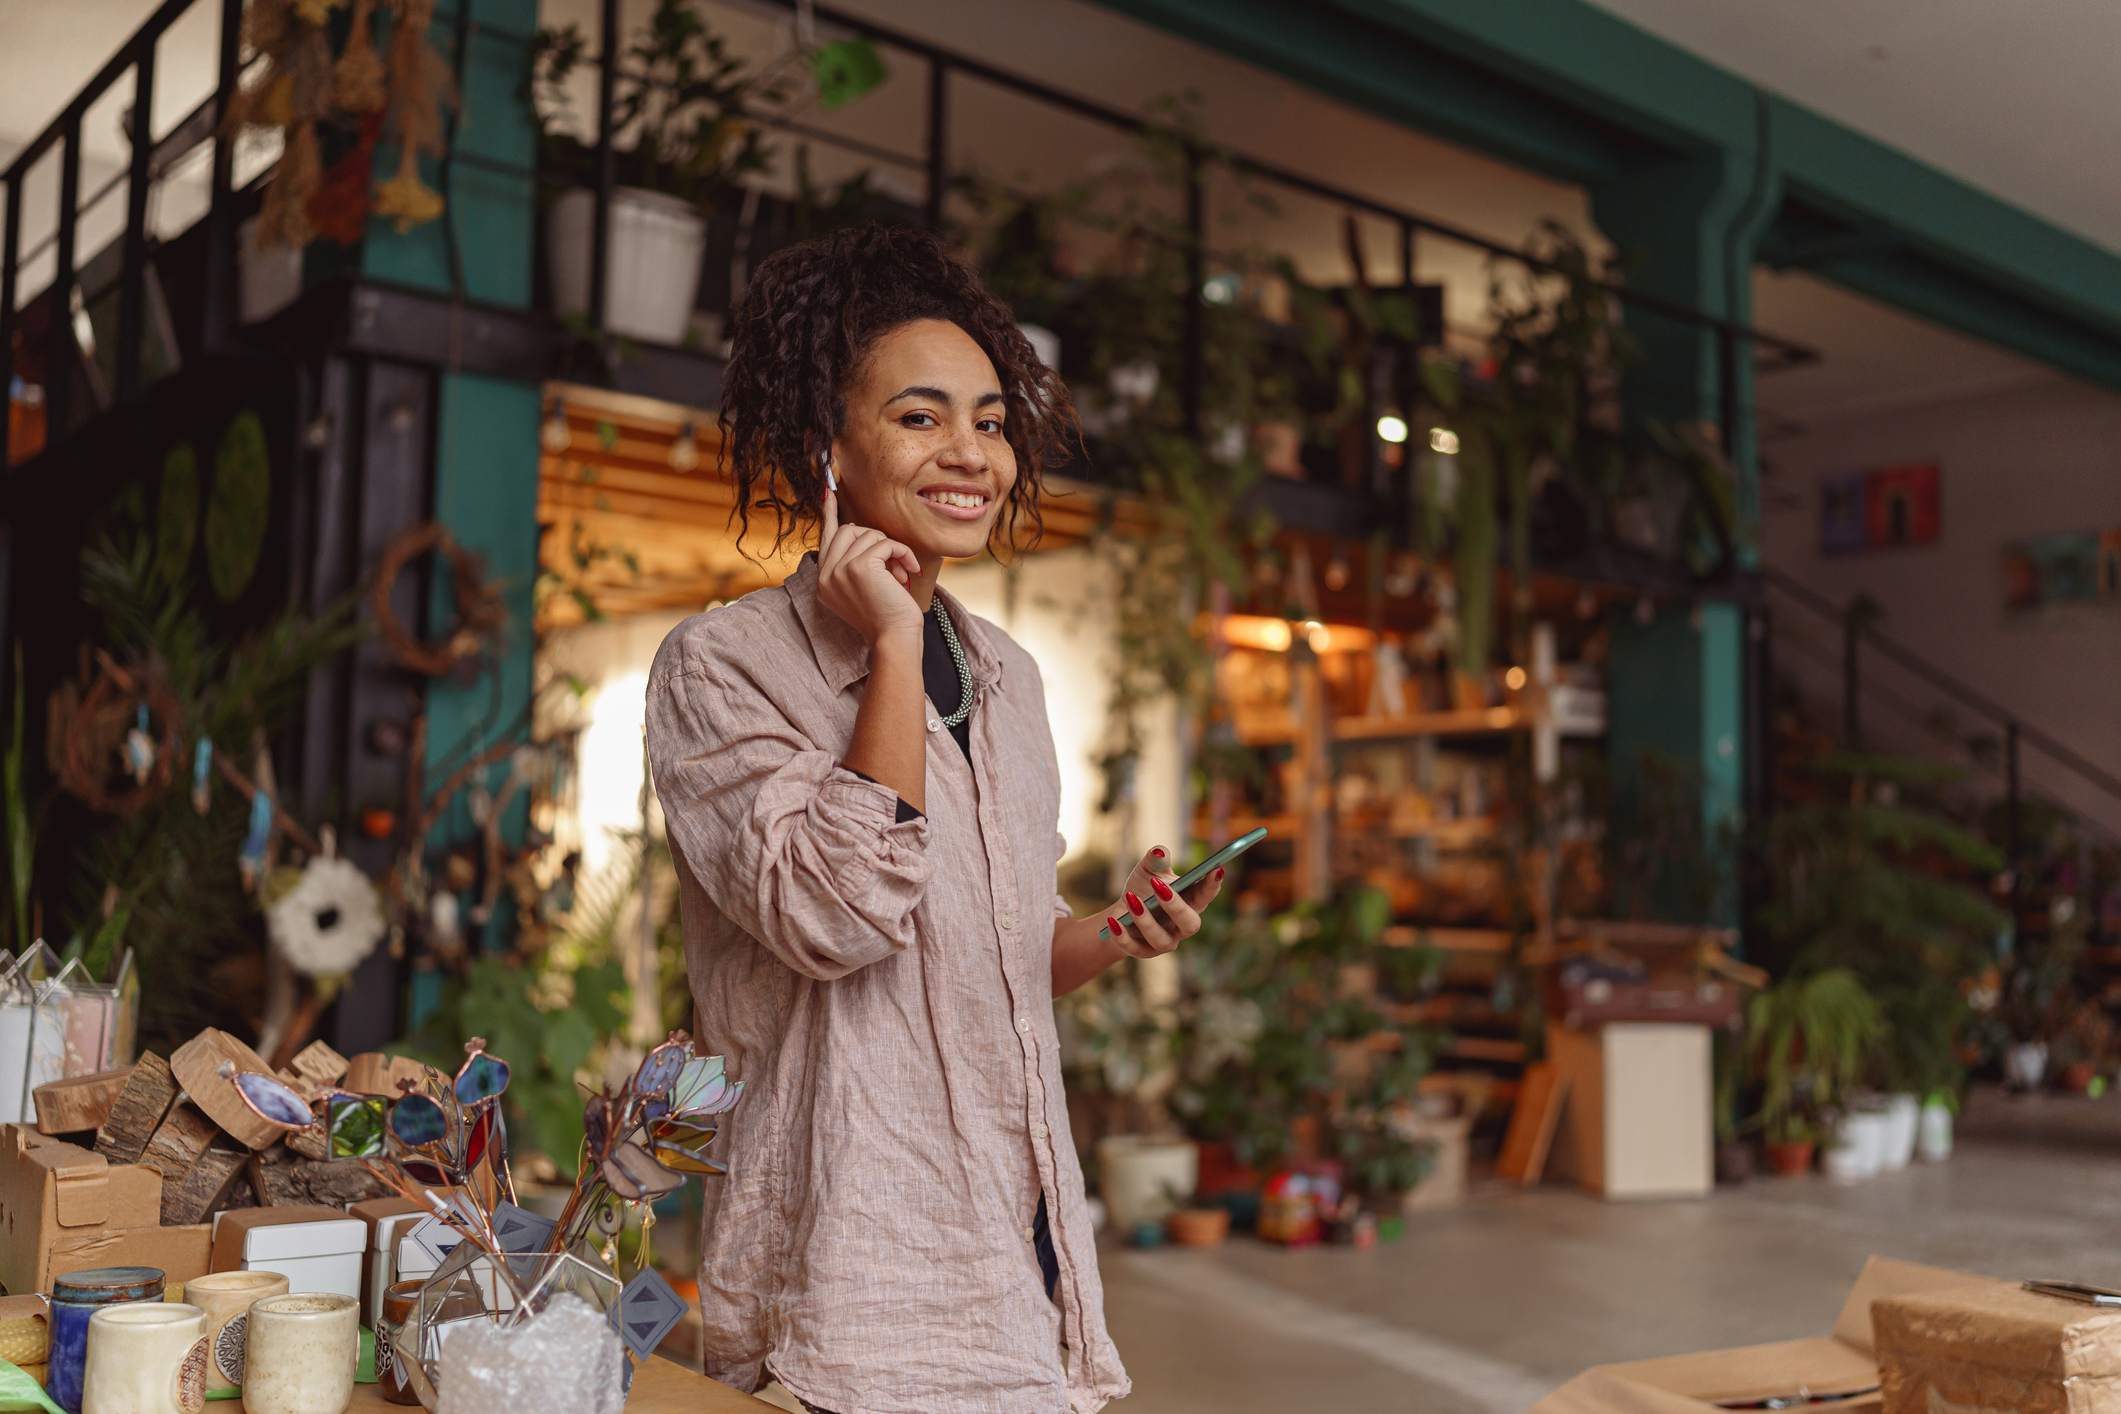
(862, 798)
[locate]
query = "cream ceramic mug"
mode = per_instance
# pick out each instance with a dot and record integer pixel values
(300, 1354)
(145, 1358)
(225, 1297)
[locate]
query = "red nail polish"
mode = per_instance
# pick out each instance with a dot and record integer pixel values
(1157, 853)
(1163, 890)
(1113, 924)
(1218, 876)
(1134, 906)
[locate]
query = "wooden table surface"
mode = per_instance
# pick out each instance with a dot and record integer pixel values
(659, 1387)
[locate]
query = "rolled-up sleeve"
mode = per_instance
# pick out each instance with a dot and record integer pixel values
(803, 854)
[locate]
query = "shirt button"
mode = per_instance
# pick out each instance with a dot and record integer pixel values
(1008, 920)
(1040, 1129)
(935, 724)
(1023, 1023)
(1029, 1236)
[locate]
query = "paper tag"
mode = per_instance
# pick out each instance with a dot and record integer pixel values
(434, 1237)
(646, 1311)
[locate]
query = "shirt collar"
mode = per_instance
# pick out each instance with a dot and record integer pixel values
(843, 656)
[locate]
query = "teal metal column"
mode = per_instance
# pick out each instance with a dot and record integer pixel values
(1674, 743)
(486, 428)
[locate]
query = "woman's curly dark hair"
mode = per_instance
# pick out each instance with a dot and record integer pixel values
(810, 317)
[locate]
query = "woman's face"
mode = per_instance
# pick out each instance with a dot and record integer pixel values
(922, 457)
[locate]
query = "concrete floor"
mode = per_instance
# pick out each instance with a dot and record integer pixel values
(1484, 1309)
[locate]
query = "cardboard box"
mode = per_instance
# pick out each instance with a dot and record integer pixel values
(1997, 1346)
(315, 1248)
(51, 1190)
(179, 1253)
(1693, 1384)
(387, 1220)
(1639, 1121)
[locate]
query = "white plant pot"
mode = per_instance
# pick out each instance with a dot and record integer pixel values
(1858, 1147)
(1138, 1177)
(1935, 1138)
(1903, 1116)
(2025, 1064)
(651, 268)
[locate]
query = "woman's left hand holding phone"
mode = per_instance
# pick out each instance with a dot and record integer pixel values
(863, 576)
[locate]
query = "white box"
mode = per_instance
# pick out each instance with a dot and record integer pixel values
(1639, 1121)
(313, 1253)
(417, 1259)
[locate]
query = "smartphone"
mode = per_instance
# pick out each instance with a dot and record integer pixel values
(1197, 873)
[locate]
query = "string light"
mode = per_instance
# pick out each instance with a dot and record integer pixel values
(1514, 679)
(1443, 439)
(685, 451)
(556, 437)
(1392, 427)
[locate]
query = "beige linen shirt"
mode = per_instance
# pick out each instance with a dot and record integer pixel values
(884, 990)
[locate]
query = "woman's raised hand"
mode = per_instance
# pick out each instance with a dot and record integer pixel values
(862, 576)
(1177, 915)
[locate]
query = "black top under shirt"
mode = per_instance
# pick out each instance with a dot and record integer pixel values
(945, 689)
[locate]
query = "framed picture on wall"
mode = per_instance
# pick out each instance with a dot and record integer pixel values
(1883, 508)
(2068, 567)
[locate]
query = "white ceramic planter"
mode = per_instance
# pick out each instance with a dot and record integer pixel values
(1858, 1147)
(651, 268)
(1935, 1139)
(1138, 1177)
(148, 1357)
(2025, 1064)
(1903, 1116)
(300, 1354)
(226, 1298)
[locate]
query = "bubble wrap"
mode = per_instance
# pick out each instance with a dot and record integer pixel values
(567, 1357)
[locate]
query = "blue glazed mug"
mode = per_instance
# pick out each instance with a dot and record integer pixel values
(76, 1297)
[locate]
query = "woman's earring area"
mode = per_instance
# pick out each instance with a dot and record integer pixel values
(832, 485)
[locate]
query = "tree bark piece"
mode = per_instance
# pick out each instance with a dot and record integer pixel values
(338, 1183)
(138, 1111)
(177, 1145)
(204, 1188)
(84, 1102)
(197, 1064)
(273, 1178)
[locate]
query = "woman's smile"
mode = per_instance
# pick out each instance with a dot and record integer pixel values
(957, 500)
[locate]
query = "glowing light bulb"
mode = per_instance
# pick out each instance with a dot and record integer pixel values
(555, 437)
(1514, 679)
(1317, 635)
(685, 451)
(1443, 439)
(1392, 427)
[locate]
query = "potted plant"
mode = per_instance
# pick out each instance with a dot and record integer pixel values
(1811, 1040)
(688, 106)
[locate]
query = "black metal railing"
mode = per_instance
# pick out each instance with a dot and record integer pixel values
(1734, 341)
(60, 352)
(1860, 639)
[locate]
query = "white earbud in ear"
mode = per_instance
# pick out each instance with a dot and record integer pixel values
(831, 484)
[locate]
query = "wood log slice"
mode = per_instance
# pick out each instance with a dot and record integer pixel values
(177, 1145)
(197, 1065)
(82, 1102)
(204, 1189)
(373, 1073)
(319, 1064)
(138, 1111)
(273, 1178)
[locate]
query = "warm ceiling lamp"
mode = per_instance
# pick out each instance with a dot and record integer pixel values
(1276, 635)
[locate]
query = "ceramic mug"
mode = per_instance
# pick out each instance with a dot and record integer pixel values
(300, 1354)
(145, 1358)
(75, 1299)
(226, 1297)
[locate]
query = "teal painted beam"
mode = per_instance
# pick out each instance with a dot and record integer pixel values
(486, 492)
(487, 232)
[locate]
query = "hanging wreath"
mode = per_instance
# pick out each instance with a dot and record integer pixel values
(121, 713)
(329, 920)
(480, 612)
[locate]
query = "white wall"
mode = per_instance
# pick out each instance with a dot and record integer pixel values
(2016, 463)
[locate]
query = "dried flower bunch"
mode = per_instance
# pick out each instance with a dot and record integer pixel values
(309, 94)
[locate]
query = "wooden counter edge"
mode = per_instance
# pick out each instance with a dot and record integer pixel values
(660, 1387)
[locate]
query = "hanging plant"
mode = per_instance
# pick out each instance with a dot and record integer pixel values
(420, 85)
(236, 509)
